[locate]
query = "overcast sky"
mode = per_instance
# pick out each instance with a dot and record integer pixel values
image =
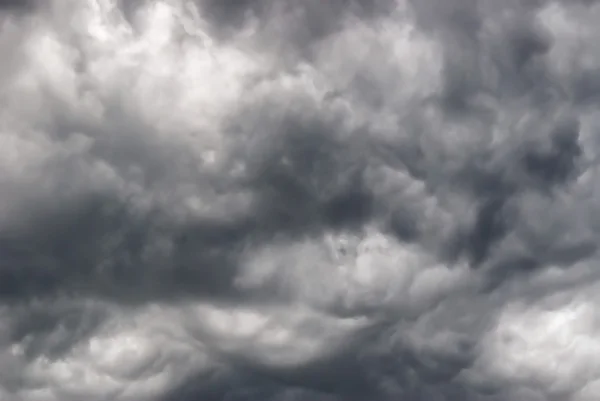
(297, 200)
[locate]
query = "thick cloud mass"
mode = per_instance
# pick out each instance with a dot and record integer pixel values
(299, 200)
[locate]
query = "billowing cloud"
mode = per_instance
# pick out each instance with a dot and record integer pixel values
(299, 200)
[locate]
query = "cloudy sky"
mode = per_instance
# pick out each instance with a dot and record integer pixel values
(294, 200)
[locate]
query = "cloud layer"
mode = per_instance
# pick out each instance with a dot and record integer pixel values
(299, 200)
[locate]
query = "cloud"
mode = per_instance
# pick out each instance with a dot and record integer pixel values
(280, 200)
(17, 5)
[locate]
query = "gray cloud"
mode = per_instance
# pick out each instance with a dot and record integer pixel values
(16, 5)
(279, 200)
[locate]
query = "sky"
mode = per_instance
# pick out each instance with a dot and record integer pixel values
(294, 200)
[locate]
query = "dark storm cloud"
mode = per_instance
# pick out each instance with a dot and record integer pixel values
(17, 5)
(98, 244)
(77, 321)
(299, 200)
(310, 20)
(357, 371)
(309, 178)
(490, 48)
(500, 55)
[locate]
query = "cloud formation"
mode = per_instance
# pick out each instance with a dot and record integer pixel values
(299, 200)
